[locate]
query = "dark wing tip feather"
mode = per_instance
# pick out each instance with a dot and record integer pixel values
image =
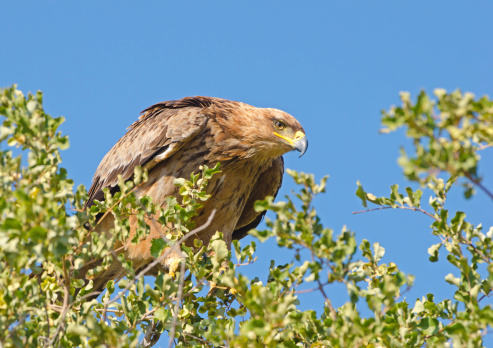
(243, 231)
(198, 101)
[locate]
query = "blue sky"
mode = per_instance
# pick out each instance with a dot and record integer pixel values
(332, 65)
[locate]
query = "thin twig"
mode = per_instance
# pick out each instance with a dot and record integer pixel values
(147, 315)
(66, 306)
(175, 247)
(109, 210)
(177, 305)
(469, 243)
(482, 297)
(200, 339)
(246, 263)
(59, 309)
(478, 184)
(310, 290)
(321, 288)
(196, 286)
(47, 315)
(485, 146)
(327, 301)
(399, 207)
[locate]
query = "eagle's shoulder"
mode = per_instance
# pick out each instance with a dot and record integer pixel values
(199, 102)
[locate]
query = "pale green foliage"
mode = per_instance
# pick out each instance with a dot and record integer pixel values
(43, 246)
(447, 135)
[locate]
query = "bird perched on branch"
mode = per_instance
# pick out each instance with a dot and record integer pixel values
(172, 139)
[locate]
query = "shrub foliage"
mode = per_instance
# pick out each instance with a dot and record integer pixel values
(209, 301)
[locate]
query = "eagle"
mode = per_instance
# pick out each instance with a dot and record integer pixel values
(171, 140)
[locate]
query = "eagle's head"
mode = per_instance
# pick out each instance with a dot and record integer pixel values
(284, 131)
(271, 132)
(251, 132)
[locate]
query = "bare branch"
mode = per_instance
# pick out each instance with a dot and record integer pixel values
(399, 207)
(200, 339)
(471, 244)
(66, 306)
(152, 336)
(478, 183)
(246, 263)
(177, 305)
(484, 146)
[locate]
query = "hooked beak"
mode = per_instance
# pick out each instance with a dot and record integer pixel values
(301, 144)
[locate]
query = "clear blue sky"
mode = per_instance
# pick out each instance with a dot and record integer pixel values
(333, 65)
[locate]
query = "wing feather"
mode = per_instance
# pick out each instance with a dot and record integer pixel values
(268, 184)
(160, 131)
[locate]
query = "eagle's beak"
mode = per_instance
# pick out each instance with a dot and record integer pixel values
(300, 142)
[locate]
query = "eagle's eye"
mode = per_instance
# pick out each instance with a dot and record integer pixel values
(279, 125)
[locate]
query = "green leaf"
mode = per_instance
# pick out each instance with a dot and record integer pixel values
(360, 192)
(162, 314)
(451, 279)
(157, 246)
(220, 249)
(429, 326)
(433, 252)
(79, 330)
(379, 252)
(110, 286)
(12, 224)
(257, 327)
(418, 307)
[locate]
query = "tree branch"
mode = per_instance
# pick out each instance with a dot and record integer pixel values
(66, 305)
(478, 184)
(152, 335)
(177, 305)
(399, 207)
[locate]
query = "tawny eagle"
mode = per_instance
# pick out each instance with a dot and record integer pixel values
(173, 138)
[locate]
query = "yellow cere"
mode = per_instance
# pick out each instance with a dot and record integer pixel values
(298, 135)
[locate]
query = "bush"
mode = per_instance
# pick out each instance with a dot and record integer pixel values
(209, 302)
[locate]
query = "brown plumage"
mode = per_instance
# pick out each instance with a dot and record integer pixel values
(173, 138)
